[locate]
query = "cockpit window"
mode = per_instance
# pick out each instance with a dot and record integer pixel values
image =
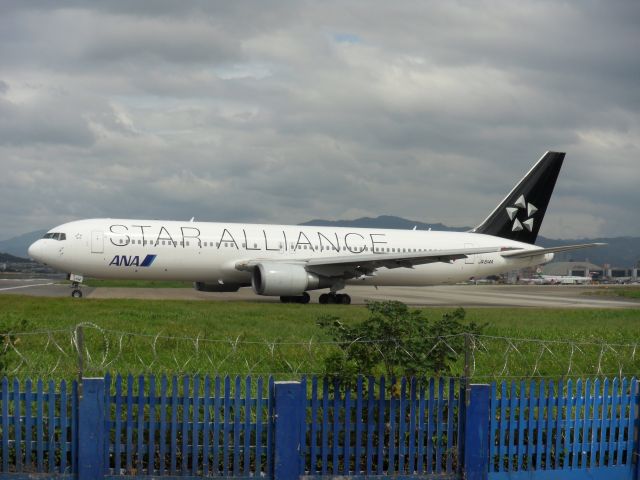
(55, 236)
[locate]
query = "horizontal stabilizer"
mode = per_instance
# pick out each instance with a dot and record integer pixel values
(542, 251)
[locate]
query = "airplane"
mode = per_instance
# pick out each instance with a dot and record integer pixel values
(540, 279)
(288, 261)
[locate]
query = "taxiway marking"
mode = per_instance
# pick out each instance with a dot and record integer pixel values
(27, 286)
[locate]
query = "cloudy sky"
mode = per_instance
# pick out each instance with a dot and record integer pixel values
(281, 112)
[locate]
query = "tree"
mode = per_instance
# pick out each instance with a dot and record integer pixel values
(397, 341)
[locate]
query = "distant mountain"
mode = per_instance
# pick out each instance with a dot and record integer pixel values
(384, 221)
(5, 257)
(18, 245)
(621, 252)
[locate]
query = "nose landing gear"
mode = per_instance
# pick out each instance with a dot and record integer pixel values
(76, 281)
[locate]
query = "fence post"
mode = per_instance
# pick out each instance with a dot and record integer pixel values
(462, 417)
(476, 433)
(635, 396)
(91, 417)
(289, 423)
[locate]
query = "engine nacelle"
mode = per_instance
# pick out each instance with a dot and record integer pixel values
(281, 279)
(216, 287)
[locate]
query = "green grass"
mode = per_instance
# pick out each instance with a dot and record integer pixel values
(165, 336)
(625, 292)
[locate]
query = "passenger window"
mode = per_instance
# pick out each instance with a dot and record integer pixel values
(187, 244)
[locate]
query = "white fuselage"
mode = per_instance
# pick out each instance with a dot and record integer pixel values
(209, 252)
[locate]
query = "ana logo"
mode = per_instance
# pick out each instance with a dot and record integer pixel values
(132, 261)
(521, 204)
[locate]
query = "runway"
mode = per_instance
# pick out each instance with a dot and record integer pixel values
(510, 296)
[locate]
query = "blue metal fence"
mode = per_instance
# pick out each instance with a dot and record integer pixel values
(255, 427)
(377, 427)
(578, 429)
(39, 433)
(190, 426)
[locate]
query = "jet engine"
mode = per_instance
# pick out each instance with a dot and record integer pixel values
(281, 279)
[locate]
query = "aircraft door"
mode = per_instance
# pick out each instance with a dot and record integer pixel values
(97, 242)
(471, 259)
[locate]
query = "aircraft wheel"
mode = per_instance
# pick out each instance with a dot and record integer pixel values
(285, 299)
(304, 298)
(76, 293)
(345, 299)
(324, 299)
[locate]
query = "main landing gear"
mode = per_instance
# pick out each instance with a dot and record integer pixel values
(340, 298)
(304, 298)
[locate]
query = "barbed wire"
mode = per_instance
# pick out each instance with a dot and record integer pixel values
(97, 350)
(327, 342)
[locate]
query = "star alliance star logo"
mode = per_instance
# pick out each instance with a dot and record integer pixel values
(521, 204)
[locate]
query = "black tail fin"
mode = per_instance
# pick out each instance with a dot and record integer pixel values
(520, 214)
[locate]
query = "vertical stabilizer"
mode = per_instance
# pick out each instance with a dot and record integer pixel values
(520, 214)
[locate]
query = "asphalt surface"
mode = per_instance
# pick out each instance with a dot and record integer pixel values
(540, 296)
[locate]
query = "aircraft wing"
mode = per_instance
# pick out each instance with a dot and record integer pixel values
(542, 251)
(365, 264)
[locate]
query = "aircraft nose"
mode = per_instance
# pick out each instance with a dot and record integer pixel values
(35, 250)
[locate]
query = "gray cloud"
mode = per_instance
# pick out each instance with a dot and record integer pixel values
(287, 111)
